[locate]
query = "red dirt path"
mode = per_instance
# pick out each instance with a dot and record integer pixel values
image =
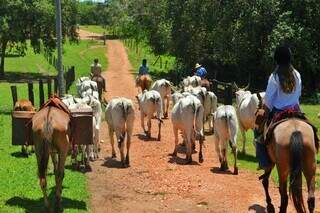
(157, 183)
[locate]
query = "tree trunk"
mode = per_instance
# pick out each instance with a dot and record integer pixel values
(3, 53)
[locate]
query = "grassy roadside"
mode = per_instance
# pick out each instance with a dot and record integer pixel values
(20, 191)
(142, 51)
(93, 28)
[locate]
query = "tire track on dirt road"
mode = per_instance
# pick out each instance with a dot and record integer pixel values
(157, 183)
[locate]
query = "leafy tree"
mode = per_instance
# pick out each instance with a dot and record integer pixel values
(21, 21)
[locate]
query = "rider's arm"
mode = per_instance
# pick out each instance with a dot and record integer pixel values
(271, 92)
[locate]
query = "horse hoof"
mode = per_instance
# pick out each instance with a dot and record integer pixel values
(113, 156)
(270, 208)
(189, 160)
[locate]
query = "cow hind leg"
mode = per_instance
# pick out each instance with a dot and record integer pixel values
(127, 161)
(112, 143)
(189, 149)
(176, 140)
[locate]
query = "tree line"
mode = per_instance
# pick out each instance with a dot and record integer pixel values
(235, 40)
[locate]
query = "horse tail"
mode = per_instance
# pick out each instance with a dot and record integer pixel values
(296, 149)
(47, 131)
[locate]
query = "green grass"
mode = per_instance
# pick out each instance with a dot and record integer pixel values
(138, 52)
(19, 188)
(249, 160)
(93, 28)
(31, 63)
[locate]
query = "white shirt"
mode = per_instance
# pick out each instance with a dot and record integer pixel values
(275, 97)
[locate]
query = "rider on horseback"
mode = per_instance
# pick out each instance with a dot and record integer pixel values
(282, 93)
(200, 71)
(144, 69)
(96, 76)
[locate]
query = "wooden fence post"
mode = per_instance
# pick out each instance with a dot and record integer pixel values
(55, 82)
(160, 62)
(41, 92)
(228, 95)
(104, 38)
(14, 94)
(30, 92)
(49, 82)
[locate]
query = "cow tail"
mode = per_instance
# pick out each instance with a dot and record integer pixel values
(125, 111)
(296, 150)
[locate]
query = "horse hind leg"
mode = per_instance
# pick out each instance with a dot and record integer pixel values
(265, 183)
(310, 178)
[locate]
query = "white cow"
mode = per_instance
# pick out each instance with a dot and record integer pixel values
(209, 102)
(163, 86)
(87, 87)
(175, 97)
(193, 81)
(187, 116)
(120, 118)
(247, 105)
(150, 102)
(225, 132)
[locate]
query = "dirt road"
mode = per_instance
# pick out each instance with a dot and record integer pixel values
(155, 182)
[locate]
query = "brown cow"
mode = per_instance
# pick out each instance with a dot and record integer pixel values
(24, 105)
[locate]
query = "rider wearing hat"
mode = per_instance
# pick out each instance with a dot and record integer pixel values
(200, 71)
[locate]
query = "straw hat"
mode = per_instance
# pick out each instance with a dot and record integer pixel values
(197, 65)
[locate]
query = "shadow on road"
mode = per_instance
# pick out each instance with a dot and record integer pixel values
(257, 208)
(216, 170)
(145, 138)
(181, 161)
(112, 163)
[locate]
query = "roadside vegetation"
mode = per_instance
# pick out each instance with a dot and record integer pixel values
(94, 28)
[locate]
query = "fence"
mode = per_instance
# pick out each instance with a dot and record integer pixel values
(69, 77)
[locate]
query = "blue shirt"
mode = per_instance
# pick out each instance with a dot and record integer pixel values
(201, 72)
(143, 70)
(275, 97)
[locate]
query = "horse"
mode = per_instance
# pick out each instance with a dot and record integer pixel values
(101, 84)
(292, 148)
(24, 105)
(144, 82)
(51, 130)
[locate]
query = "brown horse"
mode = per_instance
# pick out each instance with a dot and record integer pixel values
(101, 85)
(50, 128)
(144, 82)
(292, 149)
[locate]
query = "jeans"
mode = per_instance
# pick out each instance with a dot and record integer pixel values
(261, 151)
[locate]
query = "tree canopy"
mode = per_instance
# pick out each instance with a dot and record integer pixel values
(34, 20)
(233, 39)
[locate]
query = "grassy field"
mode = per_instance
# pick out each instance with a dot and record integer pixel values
(93, 28)
(19, 188)
(137, 53)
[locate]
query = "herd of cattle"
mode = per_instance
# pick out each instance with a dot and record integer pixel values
(193, 106)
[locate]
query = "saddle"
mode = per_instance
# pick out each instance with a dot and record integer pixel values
(55, 101)
(283, 116)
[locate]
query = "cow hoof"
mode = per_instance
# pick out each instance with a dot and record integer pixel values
(189, 160)
(159, 138)
(174, 154)
(200, 159)
(235, 172)
(113, 156)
